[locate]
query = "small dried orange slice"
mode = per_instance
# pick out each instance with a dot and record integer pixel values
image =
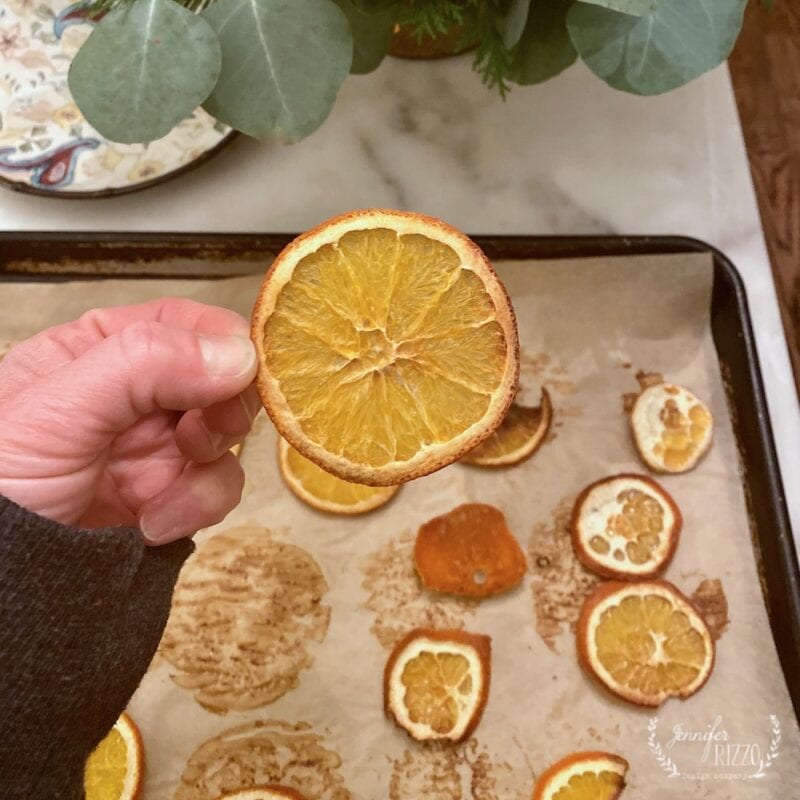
(263, 793)
(469, 552)
(115, 769)
(326, 492)
(644, 641)
(671, 427)
(436, 683)
(626, 527)
(583, 776)
(387, 346)
(519, 436)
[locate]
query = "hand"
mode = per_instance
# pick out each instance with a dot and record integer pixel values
(126, 417)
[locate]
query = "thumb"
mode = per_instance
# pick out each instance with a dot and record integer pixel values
(144, 367)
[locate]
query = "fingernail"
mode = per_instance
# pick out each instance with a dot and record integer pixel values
(151, 532)
(227, 356)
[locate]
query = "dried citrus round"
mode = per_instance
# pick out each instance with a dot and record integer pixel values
(436, 683)
(469, 552)
(626, 527)
(644, 641)
(115, 769)
(263, 793)
(672, 429)
(519, 436)
(387, 346)
(326, 492)
(583, 776)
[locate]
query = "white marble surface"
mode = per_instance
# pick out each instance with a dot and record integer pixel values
(570, 157)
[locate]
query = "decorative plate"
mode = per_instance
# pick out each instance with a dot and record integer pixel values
(46, 146)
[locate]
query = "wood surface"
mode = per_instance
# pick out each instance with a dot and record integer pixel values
(765, 69)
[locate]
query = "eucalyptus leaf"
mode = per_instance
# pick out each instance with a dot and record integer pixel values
(283, 62)
(545, 48)
(635, 7)
(143, 69)
(513, 24)
(372, 33)
(659, 51)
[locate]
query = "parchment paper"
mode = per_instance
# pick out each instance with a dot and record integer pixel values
(283, 633)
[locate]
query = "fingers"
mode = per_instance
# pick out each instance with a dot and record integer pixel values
(145, 367)
(61, 344)
(204, 435)
(203, 495)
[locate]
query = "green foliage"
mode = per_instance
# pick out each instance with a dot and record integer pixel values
(143, 69)
(149, 63)
(545, 48)
(283, 62)
(372, 32)
(658, 51)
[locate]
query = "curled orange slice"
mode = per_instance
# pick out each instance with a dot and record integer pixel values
(645, 642)
(115, 769)
(626, 527)
(436, 683)
(387, 346)
(583, 776)
(671, 427)
(325, 492)
(519, 436)
(469, 552)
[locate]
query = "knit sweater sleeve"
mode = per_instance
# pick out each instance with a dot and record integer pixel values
(81, 615)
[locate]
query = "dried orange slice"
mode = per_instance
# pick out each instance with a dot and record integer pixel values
(436, 683)
(469, 552)
(519, 436)
(387, 346)
(263, 793)
(115, 769)
(326, 492)
(583, 776)
(644, 641)
(672, 429)
(625, 527)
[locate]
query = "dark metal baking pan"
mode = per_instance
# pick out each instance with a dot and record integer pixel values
(68, 256)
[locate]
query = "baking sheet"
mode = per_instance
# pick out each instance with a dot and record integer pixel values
(282, 633)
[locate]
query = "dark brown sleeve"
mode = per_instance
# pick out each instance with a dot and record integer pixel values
(81, 615)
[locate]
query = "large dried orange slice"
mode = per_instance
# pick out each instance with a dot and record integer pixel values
(625, 527)
(436, 683)
(519, 436)
(263, 793)
(115, 769)
(387, 346)
(469, 552)
(671, 427)
(644, 641)
(583, 776)
(326, 492)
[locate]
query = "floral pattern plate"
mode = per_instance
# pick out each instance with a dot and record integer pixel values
(46, 146)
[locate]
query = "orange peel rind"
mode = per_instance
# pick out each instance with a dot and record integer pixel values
(325, 492)
(626, 527)
(469, 552)
(519, 436)
(115, 767)
(591, 775)
(645, 642)
(672, 428)
(387, 346)
(436, 683)
(271, 792)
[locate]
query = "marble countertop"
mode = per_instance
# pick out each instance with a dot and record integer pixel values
(569, 157)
